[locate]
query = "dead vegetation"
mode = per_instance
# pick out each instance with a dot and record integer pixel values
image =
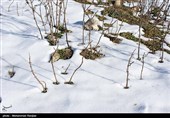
(125, 14)
(65, 53)
(113, 38)
(91, 54)
(153, 45)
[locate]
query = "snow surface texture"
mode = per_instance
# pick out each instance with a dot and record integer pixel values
(99, 84)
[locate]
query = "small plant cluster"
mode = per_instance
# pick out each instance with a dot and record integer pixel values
(91, 54)
(65, 53)
(53, 24)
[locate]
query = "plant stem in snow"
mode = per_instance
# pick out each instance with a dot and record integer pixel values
(127, 69)
(59, 15)
(102, 33)
(30, 4)
(70, 81)
(52, 64)
(65, 72)
(56, 30)
(43, 86)
(84, 10)
(139, 42)
(119, 29)
(65, 22)
(165, 30)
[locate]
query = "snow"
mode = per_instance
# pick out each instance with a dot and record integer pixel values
(99, 84)
(167, 38)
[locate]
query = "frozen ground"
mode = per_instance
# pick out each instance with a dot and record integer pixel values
(99, 84)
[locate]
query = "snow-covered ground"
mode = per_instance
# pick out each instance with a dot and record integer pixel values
(99, 84)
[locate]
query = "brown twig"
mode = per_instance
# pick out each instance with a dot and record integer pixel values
(40, 82)
(127, 69)
(30, 4)
(65, 72)
(65, 22)
(52, 64)
(70, 81)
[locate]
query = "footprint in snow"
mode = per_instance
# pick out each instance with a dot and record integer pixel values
(141, 108)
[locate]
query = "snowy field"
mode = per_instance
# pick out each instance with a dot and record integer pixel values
(98, 84)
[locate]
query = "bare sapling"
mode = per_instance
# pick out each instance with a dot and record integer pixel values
(65, 72)
(65, 22)
(127, 69)
(60, 12)
(162, 50)
(142, 7)
(85, 12)
(89, 34)
(40, 82)
(165, 30)
(41, 17)
(52, 65)
(56, 13)
(70, 80)
(111, 23)
(139, 42)
(158, 8)
(103, 31)
(52, 38)
(30, 4)
(52, 13)
(118, 29)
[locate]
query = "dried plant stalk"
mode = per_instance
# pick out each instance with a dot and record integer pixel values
(127, 69)
(40, 82)
(70, 81)
(52, 64)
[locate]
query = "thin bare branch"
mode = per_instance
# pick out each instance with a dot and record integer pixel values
(43, 86)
